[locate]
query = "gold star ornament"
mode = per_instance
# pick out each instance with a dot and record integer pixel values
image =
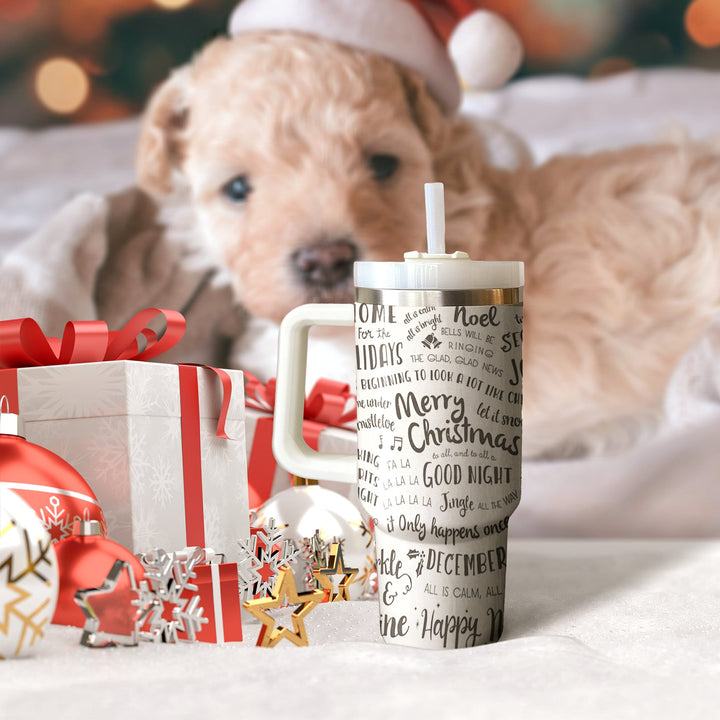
(336, 566)
(284, 588)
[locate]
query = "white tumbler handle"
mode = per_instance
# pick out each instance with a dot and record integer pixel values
(289, 447)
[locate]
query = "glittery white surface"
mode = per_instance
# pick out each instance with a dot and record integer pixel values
(594, 629)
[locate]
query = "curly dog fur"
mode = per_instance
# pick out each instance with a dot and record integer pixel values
(621, 249)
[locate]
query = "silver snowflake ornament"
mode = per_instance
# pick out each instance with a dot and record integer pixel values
(263, 556)
(165, 591)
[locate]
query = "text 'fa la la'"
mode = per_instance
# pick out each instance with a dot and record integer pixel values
(400, 481)
(394, 465)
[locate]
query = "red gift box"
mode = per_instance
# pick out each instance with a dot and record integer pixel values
(217, 585)
(329, 407)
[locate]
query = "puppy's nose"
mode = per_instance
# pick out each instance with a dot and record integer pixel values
(327, 263)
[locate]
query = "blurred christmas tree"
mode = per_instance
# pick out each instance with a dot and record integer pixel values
(90, 60)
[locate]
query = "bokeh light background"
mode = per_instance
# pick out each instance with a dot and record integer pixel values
(71, 61)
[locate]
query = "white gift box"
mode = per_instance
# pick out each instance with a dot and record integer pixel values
(119, 424)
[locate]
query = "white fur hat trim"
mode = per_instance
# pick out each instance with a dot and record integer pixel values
(392, 28)
(486, 51)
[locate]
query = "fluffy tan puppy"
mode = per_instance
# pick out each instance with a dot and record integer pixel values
(301, 155)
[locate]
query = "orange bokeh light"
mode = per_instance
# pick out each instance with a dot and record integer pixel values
(702, 22)
(172, 4)
(61, 85)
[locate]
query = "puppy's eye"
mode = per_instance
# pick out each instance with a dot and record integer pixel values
(383, 166)
(238, 189)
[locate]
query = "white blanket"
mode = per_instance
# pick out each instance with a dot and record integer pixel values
(668, 486)
(593, 630)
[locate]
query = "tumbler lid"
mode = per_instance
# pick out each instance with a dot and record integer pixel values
(436, 269)
(431, 274)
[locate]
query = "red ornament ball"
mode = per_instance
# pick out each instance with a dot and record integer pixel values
(84, 561)
(52, 487)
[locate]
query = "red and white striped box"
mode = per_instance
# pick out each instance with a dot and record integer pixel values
(219, 596)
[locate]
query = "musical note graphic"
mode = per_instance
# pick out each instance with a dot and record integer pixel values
(397, 441)
(380, 446)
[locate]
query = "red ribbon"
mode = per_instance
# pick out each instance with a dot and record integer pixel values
(324, 406)
(23, 343)
(191, 456)
(191, 448)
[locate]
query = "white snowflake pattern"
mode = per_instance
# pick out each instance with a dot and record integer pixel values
(224, 490)
(153, 390)
(213, 448)
(160, 480)
(215, 534)
(140, 432)
(116, 520)
(53, 436)
(272, 551)
(107, 452)
(144, 528)
(57, 520)
(171, 433)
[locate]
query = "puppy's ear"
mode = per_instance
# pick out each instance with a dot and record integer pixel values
(162, 134)
(424, 109)
(457, 151)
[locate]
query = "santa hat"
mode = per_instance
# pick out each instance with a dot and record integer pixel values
(440, 39)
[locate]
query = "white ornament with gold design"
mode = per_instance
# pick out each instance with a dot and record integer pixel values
(305, 508)
(28, 577)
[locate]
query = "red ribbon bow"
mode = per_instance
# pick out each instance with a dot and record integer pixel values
(324, 406)
(23, 343)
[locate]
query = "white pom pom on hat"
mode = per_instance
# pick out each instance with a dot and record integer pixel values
(482, 48)
(486, 51)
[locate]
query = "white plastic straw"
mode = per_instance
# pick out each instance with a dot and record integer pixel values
(435, 217)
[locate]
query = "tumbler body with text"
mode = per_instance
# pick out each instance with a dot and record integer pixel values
(438, 343)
